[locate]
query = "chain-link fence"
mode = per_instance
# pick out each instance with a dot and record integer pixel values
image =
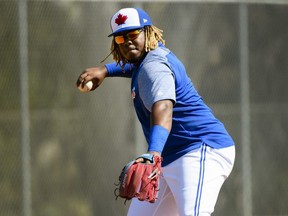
(61, 150)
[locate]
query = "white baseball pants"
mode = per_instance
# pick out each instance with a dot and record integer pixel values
(190, 185)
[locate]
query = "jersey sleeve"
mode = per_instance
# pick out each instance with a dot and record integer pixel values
(115, 70)
(156, 82)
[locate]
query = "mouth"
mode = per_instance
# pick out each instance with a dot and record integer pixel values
(131, 53)
(131, 49)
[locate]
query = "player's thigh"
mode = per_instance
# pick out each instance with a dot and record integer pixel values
(218, 165)
(195, 179)
(182, 176)
(164, 206)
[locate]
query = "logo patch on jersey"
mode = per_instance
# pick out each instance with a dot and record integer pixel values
(133, 93)
(121, 19)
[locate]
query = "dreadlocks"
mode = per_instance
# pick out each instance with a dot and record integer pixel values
(153, 35)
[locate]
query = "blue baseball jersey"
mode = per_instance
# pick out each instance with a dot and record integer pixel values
(161, 75)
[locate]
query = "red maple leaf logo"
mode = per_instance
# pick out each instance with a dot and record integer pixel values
(121, 19)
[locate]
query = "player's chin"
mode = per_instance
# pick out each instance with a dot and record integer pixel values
(134, 57)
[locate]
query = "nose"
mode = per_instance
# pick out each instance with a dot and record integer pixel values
(127, 40)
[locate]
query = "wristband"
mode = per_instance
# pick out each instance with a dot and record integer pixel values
(158, 138)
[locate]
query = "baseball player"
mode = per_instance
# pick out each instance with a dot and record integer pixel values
(198, 153)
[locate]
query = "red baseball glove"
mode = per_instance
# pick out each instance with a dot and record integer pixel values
(140, 180)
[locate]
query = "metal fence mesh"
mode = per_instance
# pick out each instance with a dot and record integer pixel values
(77, 143)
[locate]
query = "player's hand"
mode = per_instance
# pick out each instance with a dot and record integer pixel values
(96, 75)
(141, 160)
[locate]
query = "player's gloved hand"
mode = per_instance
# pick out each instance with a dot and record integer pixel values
(140, 179)
(96, 75)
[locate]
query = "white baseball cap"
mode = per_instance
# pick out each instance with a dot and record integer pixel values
(128, 19)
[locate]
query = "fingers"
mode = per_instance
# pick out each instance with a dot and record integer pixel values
(84, 77)
(96, 75)
(142, 160)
